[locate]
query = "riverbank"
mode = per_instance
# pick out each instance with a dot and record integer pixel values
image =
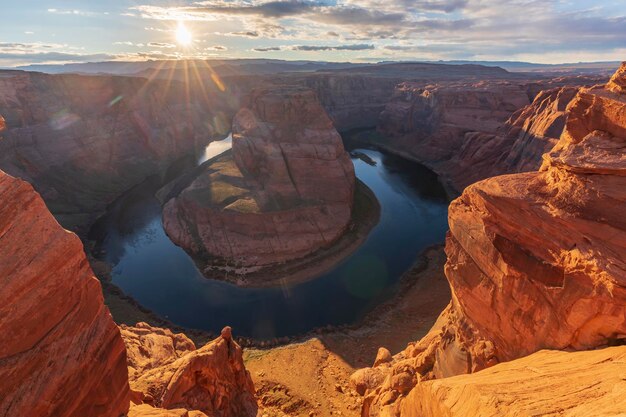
(371, 139)
(326, 361)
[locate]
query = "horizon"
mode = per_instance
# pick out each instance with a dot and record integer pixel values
(355, 31)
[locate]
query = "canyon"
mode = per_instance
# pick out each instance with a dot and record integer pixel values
(286, 191)
(534, 259)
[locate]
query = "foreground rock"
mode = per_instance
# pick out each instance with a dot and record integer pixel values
(285, 192)
(211, 380)
(535, 260)
(61, 354)
(546, 383)
(83, 140)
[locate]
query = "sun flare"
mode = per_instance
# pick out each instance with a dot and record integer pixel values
(183, 35)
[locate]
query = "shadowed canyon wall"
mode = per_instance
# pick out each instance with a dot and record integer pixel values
(83, 140)
(468, 130)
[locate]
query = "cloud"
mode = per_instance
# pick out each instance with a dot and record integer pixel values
(161, 45)
(267, 49)
(358, 47)
(248, 34)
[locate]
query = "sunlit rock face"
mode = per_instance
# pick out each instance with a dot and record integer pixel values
(168, 372)
(535, 260)
(284, 192)
(83, 140)
(61, 354)
(546, 383)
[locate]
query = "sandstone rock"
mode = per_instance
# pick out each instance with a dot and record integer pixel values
(546, 383)
(61, 354)
(535, 260)
(383, 356)
(83, 140)
(212, 380)
(461, 131)
(517, 146)
(150, 347)
(145, 410)
(286, 191)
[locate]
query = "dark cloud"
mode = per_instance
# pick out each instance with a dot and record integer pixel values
(356, 47)
(249, 34)
(271, 9)
(267, 49)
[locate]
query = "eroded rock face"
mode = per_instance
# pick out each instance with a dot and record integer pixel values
(286, 190)
(469, 131)
(517, 146)
(535, 260)
(210, 380)
(83, 140)
(546, 383)
(61, 354)
(150, 347)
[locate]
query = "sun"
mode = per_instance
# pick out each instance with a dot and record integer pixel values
(183, 35)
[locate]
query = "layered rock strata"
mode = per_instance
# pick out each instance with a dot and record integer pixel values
(83, 140)
(284, 192)
(468, 131)
(61, 354)
(535, 260)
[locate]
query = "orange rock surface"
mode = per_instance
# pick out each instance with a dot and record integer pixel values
(174, 375)
(151, 347)
(546, 383)
(61, 354)
(535, 260)
(286, 191)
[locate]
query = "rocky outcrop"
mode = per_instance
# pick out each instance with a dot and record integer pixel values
(83, 140)
(284, 192)
(150, 347)
(546, 383)
(516, 146)
(211, 380)
(535, 260)
(61, 353)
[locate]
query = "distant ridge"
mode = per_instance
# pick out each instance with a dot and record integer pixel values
(274, 66)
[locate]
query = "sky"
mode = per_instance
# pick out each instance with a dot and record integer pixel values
(542, 31)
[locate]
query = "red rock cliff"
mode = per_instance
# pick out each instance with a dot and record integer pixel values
(61, 353)
(535, 260)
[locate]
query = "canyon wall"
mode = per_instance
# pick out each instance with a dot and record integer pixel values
(61, 354)
(467, 130)
(535, 260)
(83, 140)
(286, 190)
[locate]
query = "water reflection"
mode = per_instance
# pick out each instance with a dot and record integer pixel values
(162, 277)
